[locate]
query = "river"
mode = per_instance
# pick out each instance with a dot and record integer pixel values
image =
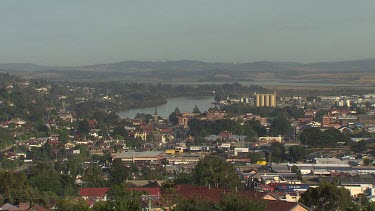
(185, 104)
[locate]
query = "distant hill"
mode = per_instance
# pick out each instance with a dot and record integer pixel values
(365, 65)
(25, 67)
(191, 65)
(189, 70)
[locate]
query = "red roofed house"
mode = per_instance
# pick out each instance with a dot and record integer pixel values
(225, 135)
(279, 205)
(214, 195)
(94, 194)
(92, 123)
(54, 142)
(166, 131)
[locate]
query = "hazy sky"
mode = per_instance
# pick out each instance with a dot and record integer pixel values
(78, 32)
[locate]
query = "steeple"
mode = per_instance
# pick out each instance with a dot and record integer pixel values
(156, 117)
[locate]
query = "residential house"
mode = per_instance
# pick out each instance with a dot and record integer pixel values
(215, 194)
(215, 115)
(94, 194)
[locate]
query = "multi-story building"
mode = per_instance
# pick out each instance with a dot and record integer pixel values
(265, 100)
(183, 119)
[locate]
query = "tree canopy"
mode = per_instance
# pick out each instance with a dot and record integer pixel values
(297, 153)
(280, 126)
(121, 198)
(215, 171)
(328, 138)
(327, 196)
(118, 173)
(205, 128)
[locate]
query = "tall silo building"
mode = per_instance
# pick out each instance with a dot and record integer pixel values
(265, 100)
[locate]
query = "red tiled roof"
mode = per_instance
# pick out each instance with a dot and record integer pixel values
(94, 192)
(211, 194)
(90, 203)
(225, 134)
(166, 130)
(146, 129)
(215, 194)
(10, 154)
(54, 142)
(278, 205)
(37, 208)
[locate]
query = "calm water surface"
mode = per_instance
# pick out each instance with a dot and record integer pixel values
(185, 104)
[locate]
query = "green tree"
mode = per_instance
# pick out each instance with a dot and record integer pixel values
(111, 119)
(367, 161)
(68, 184)
(371, 206)
(42, 128)
(99, 116)
(118, 172)
(320, 113)
(234, 201)
(74, 164)
(196, 110)
(280, 126)
(120, 131)
(278, 152)
(144, 117)
(45, 178)
(93, 177)
(253, 129)
(337, 135)
(169, 194)
(173, 117)
(198, 141)
(14, 187)
(100, 206)
(317, 138)
(297, 153)
(83, 127)
(9, 164)
(183, 178)
(43, 198)
(123, 199)
(327, 196)
(361, 201)
(72, 205)
(215, 171)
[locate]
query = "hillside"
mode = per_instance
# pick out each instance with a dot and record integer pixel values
(356, 71)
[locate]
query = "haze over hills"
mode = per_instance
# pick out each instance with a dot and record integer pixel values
(356, 71)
